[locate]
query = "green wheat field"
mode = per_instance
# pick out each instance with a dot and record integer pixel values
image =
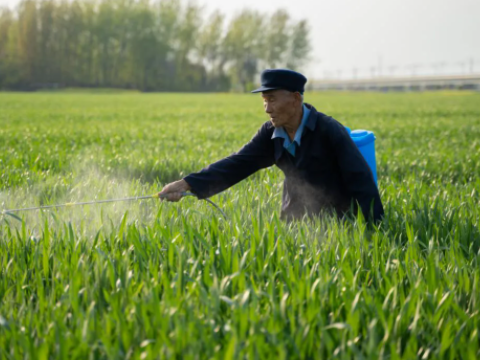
(157, 280)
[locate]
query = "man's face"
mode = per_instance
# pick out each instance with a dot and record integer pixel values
(280, 105)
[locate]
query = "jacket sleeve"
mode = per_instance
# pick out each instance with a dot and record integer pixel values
(355, 172)
(255, 155)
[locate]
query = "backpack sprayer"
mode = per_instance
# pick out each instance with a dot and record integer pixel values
(134, 198)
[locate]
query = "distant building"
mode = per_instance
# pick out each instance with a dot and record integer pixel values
(416, 83)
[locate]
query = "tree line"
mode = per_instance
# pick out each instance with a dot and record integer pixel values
(159, 45)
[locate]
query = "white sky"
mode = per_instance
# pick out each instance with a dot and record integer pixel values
(362, 34)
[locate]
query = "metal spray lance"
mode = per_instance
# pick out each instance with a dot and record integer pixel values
(134, 198)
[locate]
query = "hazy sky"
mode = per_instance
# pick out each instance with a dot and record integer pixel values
(348, 34)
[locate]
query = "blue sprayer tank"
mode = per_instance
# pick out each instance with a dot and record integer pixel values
(365, 141)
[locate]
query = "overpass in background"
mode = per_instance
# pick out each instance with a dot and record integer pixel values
(414, 83)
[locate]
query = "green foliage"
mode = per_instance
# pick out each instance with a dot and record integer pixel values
(155, 280)
(162, 45)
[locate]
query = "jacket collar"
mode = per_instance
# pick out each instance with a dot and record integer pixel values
(310, 124)
(312, 118)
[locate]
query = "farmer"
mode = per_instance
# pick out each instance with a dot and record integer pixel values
(324, 170)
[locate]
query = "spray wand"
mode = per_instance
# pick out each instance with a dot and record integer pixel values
(134, 198)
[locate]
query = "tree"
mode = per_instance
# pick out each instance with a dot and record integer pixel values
(27, 41)
(151, 45)
(276, 39)
(299, 46)
(7, 51)
(242, 46)
(210, 50)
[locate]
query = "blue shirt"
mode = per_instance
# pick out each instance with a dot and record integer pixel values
(287, 144)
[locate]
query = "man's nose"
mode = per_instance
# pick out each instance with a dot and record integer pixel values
(268, 108)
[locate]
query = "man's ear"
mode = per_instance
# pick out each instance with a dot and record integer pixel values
(298, 96)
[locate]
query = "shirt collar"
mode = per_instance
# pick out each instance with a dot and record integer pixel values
(280, 132)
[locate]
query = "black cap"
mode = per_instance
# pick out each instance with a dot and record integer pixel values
(290, 80)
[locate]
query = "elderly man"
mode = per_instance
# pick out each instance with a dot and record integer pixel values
(324, 170)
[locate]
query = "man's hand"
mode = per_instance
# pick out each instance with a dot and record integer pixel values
(174, 190)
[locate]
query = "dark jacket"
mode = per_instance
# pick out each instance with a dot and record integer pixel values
(327, 173)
